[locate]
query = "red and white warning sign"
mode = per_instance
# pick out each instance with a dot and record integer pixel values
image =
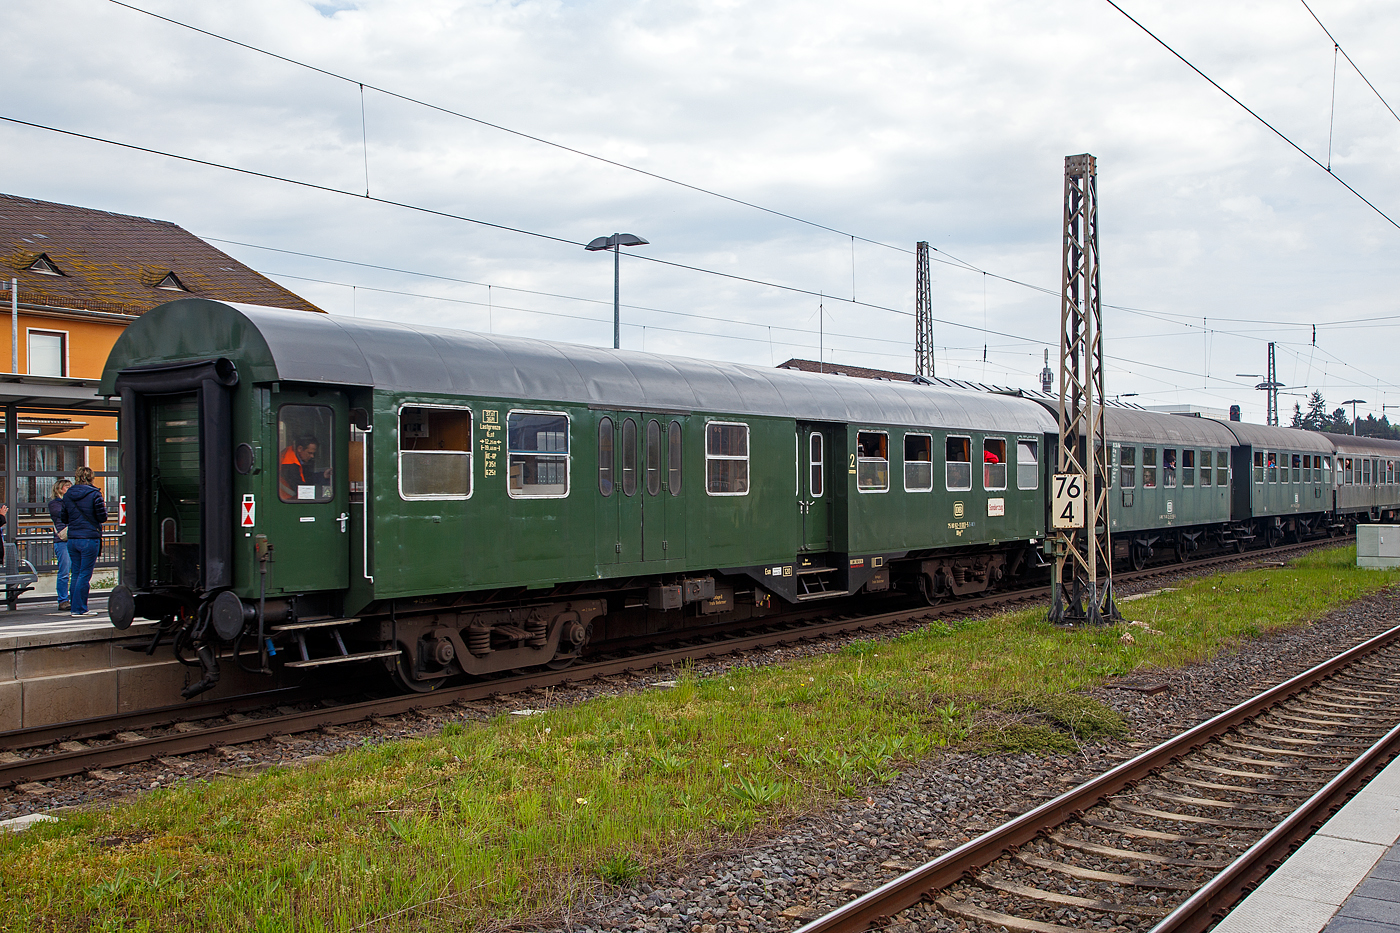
(249, 504)
(121, 512)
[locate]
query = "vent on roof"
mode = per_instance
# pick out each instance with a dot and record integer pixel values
(172, 283)
(43, 265)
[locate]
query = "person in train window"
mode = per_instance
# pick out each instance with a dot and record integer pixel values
(1169, 464)
(294, 472)
(989, 457)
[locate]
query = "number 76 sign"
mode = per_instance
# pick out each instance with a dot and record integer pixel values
(1067, 501)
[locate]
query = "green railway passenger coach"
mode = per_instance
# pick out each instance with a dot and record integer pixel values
(325, 490)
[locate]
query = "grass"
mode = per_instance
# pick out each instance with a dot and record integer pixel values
(520, 816)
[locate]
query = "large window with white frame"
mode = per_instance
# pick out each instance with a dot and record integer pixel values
(726, 458)
(1028, 464)
(918, 462)
(872, 461)
(435, 452)
(48, 353)
(537, 445)
(957, 463)
(994, 463)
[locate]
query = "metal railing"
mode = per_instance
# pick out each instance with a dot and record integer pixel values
(36, 546)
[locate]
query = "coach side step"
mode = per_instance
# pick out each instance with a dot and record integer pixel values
(340, 658)
(310, 623)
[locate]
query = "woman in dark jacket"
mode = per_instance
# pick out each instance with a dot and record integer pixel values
(60, 547)
(83, 511)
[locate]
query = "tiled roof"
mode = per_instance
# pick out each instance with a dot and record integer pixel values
(859, 372)
(113, 262)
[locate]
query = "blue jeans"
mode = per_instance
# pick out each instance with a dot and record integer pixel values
(84, 553)
(65, 569)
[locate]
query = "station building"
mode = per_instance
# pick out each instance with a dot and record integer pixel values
(71, 279)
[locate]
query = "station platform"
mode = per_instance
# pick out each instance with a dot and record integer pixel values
(1344, 879)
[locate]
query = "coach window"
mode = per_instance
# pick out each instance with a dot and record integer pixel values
(1307, 468)
(673, 458)
(816, 464)
(1259, 466)
(918, 462)
(629, 457)
(1169, 468)
(1297, 468)
(1027, 464)
(1205, 467)
(993, 463)
(1222, 468)
(1390, 472)
(958, 463)
(1366, 472)
(1346, 471)
(726, 459)
(435, 452)
(1149, 467)
(605, 457)
(1188, 467)
(305, 465)
(653, 462)
(872, 461)
(1327, 471)
(538, 448)
(1127, 467)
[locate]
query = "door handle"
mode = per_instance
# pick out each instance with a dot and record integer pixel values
(343, 518)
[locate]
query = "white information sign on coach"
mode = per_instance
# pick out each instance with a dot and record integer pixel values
(1067, 501)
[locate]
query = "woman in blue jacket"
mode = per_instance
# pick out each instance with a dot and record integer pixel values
(60, 547)
(83, 511)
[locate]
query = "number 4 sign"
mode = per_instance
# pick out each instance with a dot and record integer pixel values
(1067, 505)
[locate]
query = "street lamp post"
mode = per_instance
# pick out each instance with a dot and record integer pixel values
(1353, 402)
(615, 243)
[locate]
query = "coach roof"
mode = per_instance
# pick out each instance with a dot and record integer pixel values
(269, 344)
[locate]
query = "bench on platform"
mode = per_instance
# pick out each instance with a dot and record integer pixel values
(20, 576)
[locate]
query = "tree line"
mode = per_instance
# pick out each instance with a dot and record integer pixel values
(1316, 418)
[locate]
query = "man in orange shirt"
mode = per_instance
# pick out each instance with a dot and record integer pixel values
(294, 469)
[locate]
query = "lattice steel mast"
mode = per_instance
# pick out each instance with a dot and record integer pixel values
(1083, 568)
(923, 313)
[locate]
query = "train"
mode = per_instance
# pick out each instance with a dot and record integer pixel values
(307, 490)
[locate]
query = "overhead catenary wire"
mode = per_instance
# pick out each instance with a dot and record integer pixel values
(1273, 129)
(1338, 47)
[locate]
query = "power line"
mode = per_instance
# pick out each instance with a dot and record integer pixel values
(432, 211)
(1256, 116)
(1338, 46)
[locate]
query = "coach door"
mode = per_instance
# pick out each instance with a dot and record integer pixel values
(309, 527)
(814, 453)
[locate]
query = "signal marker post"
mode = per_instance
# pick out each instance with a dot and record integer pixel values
(1082, 584)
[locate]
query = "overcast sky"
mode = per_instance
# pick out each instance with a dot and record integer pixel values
(890, 121)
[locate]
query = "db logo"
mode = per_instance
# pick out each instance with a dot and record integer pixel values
(249, 504)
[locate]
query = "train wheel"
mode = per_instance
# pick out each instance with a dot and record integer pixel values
(403, 678)
(1239, 545)
(1183, 553)
(559, 664)
(1138, 554)
(1275, 536)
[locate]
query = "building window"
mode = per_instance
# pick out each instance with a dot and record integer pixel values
(538, 445)
(435, 452)
(957, 463)
(726, 458)
(171, 283)
(43, 265)
(872, 461)
(918, 462)
(48, 353)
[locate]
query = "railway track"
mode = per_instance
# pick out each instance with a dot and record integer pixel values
(1171, 839)
(107, 742)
